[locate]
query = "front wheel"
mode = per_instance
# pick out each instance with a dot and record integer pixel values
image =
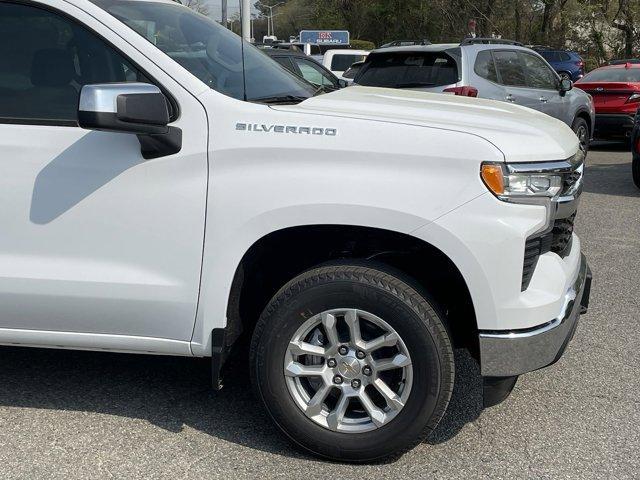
(352, 363)
(582, 131)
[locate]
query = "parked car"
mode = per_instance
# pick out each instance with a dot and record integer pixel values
(339, 61)
(194, 191)
(567, 63)
(635, 149)
(307, 68)
(405, 43)
(616, 93)
(351, 73)
(485, 68)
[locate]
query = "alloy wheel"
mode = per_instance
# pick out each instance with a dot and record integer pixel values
(348, 370)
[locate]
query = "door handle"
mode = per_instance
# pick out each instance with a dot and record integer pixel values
(544, 99)
(510, 98)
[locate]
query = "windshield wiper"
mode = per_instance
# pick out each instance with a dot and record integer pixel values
(414, 85)
(281, 99)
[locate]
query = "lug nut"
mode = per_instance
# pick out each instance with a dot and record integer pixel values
(355, 383)
(337, 379)
(360, 354)
(367, 370)
(343, 350)
(331, 363)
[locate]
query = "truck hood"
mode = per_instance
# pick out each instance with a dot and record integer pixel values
(522, 134)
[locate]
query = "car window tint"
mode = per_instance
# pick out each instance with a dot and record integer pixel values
(286, 63)
(510, 68)
(617, 74)
(340, 63)
(312, 73)
(539, 75)
(485, 67)
(564, 57)
(352, 72)
(550, 56)
(46, 59)
(409, 69)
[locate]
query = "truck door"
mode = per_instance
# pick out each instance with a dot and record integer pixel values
(95, 239)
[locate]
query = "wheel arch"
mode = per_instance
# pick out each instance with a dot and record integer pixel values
(279, 256)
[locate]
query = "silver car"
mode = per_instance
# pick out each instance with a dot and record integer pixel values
(486, 68)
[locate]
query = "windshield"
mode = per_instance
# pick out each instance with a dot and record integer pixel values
(209, 51)
(613, 75)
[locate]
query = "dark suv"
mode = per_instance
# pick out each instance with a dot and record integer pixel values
(568, 64)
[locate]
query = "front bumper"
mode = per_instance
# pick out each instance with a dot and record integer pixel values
(512, 353)
(613, 125)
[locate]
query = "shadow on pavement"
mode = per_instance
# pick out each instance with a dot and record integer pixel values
(610, 179)
(175, 392)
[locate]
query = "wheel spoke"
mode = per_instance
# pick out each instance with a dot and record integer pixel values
(314, 406)
(303, 348)
(388, 340)
(393, 400)
(296, 369)
(329, 323)
(376, 414)
(337, 415)
(353, 322)
(397, 361)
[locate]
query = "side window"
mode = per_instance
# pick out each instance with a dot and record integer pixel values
(485, 67)
(313, 74)
(46, 59)
(539, 75)
(286, 63)
(564, 56)
(510, 68)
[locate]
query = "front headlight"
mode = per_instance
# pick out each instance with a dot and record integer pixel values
(510, 184)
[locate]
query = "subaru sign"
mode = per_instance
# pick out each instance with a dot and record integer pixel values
(325, 37)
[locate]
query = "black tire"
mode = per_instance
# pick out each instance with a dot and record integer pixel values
(583, 132)
(635, 167)
(381, 292)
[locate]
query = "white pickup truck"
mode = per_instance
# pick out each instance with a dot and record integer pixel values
(166, 189)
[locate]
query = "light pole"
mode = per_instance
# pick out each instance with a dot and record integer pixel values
(271, 29)
(246, 19)
(225, 14)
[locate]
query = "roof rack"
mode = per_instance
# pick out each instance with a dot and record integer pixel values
(542, 47)
(492, 41)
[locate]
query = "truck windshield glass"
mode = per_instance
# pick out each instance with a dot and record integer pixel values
(210, 52)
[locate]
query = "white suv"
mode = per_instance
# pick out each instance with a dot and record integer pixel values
(165, 190)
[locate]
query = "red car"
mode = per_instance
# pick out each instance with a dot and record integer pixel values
(616, 95)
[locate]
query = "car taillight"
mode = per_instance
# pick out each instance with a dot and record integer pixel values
(580, 64)
(463, 91)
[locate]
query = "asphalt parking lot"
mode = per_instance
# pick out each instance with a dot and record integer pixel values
(91, 415)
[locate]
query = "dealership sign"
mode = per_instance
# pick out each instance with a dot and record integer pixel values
(331, 37)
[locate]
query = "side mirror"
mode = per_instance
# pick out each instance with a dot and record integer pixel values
(135, 108)
(343, 83)
(566, 85)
